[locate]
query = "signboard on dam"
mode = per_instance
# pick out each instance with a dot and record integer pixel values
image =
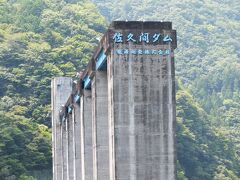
(118, 122)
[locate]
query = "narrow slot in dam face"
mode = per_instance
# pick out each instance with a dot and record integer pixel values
(118, 121)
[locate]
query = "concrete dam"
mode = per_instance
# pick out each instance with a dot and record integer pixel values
(117, 122)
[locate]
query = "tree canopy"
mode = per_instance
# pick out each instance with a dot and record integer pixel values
(39, 40)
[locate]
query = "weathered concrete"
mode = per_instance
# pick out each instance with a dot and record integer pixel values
(111, 125)
(100, 126)
(87, 154)
(144, 116)
(61, 89)
(71, 147)
(77, 142)
(65, 169)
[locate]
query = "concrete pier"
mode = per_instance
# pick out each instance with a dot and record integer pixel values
(119, 121)
(77, 142)
(71, 147)
(100, 124)
(61, 89)
(65, 147)
(87, 136)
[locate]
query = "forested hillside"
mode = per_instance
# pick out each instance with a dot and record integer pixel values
(202, 152)
(41, 39)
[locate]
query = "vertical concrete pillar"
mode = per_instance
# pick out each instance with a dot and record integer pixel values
(61, 89)
(111, 118)
(65, 170)
(82, 138)
(143, 116)
(71, 146)
(86, 123)
(100, 126)
(94, 128)
(77, 142)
